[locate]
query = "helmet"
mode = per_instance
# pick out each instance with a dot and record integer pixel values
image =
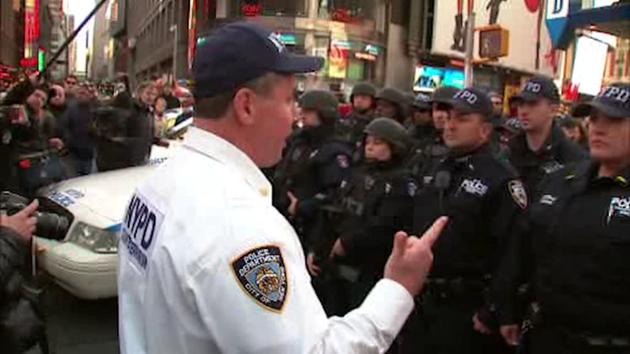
(391, 131)
(322, 102)
(364, 88)
(444, 94)
(396, 97)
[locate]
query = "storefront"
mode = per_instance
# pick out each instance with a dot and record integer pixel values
(344, 32)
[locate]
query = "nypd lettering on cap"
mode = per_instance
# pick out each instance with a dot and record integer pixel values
(262, 275)
(139, 231)
(619, 94)
(467, 95)
(533, 87)
(274, 38)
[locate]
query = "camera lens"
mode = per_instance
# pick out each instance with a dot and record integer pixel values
(51, 226)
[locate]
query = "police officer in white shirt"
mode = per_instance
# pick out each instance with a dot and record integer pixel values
(207, 265)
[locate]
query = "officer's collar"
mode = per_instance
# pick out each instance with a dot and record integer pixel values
(465, 157)
(221, 150)
(588, 173)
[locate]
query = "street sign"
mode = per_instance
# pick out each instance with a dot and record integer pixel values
(557, 20)
(494, 42)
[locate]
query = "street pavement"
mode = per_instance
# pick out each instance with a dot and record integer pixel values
(78, 326)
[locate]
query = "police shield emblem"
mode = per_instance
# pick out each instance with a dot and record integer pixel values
(262, 275)
(518, 193)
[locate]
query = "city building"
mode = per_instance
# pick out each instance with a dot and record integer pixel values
(102, 66)
(154, 31)
(11, 37)
(54, 35)
(72, 47)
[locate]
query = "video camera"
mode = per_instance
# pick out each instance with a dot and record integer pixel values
(49, 225)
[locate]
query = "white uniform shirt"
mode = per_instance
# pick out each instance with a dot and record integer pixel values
(207, 265)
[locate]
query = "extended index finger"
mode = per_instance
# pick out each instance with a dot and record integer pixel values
(30, 209)
(433, 233)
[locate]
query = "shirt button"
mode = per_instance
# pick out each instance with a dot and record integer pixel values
(264, 192)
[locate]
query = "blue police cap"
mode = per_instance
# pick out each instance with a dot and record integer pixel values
(240, 52)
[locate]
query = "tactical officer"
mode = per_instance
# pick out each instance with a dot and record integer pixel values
(351, 128)
(391, 103)
(422, 124)
(482, 196)
(430, 150)
(372, 204)
(576, 244)
(314, 164)
(543, 148)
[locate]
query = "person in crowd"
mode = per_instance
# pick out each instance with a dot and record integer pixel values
(77, 128)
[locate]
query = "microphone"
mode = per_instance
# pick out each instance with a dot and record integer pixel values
(442, 182)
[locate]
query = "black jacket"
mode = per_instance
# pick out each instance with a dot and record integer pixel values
(312, 168)
(482, 196)
(76, 125)
(557, 151)
(574, 247)
(377, 201)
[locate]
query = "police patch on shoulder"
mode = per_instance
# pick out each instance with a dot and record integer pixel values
(412, 188)
(343, 161)
(517, 190)
(262, 275)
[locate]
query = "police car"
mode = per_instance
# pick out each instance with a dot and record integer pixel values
(85, 262)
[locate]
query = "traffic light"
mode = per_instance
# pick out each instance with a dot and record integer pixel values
(494, 42)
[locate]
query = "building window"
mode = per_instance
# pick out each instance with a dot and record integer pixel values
(289, 8)
(349, 11)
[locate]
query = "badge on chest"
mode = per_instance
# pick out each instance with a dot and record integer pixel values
(619, 208)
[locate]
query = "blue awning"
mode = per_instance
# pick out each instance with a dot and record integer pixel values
(614, 19)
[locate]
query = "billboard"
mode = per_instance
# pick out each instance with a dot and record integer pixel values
(428, 78)
(530, 44)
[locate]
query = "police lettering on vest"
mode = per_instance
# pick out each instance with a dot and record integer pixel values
(140, 227)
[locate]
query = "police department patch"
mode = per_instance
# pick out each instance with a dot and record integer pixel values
(262, 275)
(343, 161)
(517, 190)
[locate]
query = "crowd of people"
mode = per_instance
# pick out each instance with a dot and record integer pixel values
(58, 130)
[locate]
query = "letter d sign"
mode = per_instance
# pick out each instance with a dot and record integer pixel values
(557, 9)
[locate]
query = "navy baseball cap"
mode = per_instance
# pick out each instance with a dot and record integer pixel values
(613, 101)
(472, 100)
(537, 88)
(422, 102)
(239, 52)
(443, 94)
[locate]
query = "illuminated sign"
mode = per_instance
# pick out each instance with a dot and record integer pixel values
(251, 8)
(28, 62)
(428, 78)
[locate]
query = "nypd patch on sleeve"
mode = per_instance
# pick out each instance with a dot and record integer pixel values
(262, 275)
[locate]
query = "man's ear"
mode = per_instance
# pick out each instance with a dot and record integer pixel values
(244, 105)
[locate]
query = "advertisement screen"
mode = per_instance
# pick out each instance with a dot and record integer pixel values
(589, 66)
(428, 78)
(454, 78)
